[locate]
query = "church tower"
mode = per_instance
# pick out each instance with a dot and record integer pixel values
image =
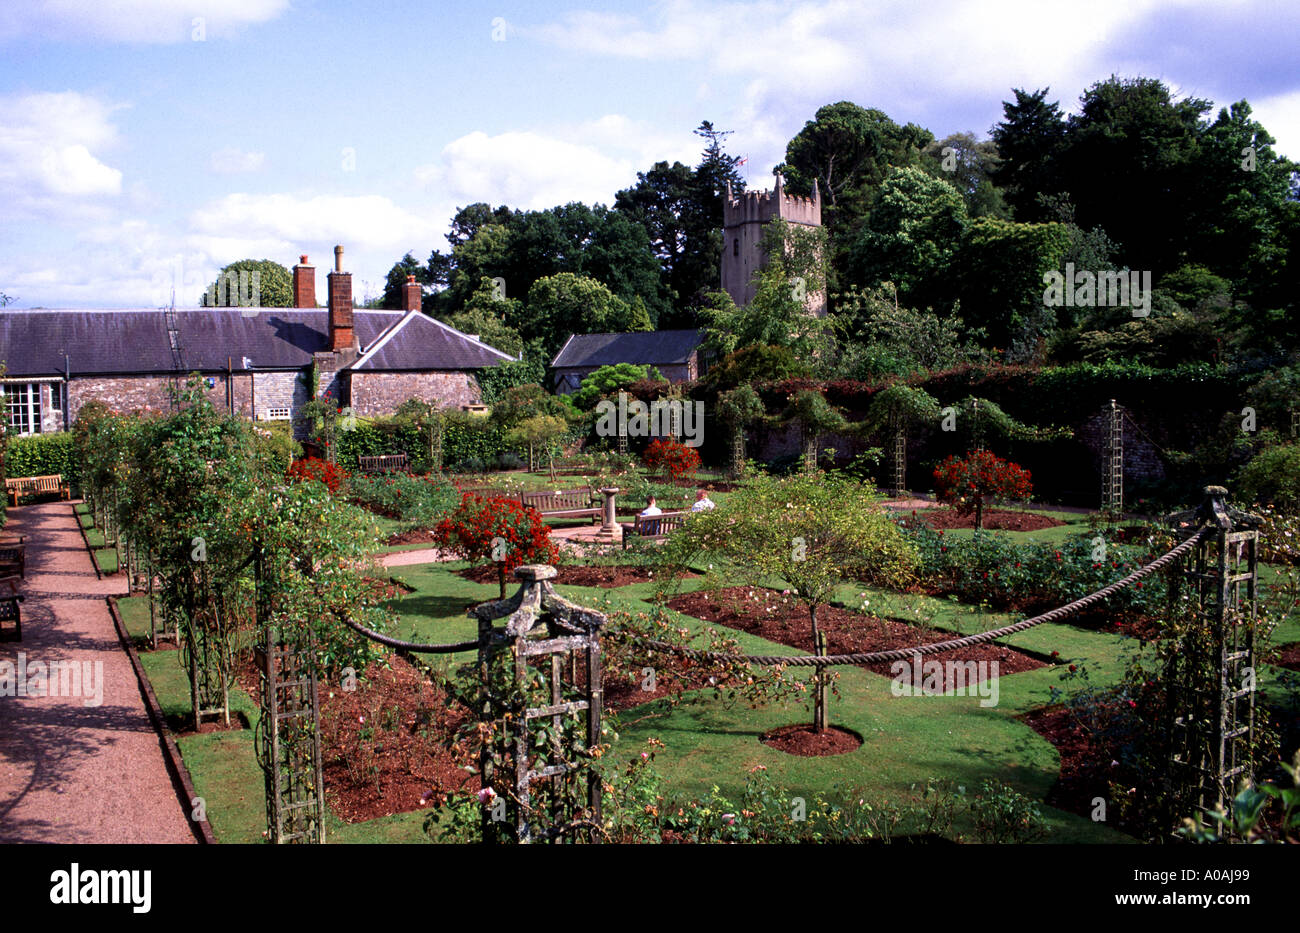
(743, 220)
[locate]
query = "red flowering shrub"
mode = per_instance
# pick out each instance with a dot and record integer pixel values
(313, 468)
(494, 528)
(672, 457)
(980, 478)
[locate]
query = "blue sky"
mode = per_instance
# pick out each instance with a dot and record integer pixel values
(146, 143)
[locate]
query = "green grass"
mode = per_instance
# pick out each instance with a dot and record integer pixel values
(907, 740)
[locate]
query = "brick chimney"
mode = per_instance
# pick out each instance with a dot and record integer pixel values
(340, 288)
(304, 284)
(412, 295)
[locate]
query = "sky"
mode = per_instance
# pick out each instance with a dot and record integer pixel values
(144, 144)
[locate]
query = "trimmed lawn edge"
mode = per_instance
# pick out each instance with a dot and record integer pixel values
(86, 542)
(180, 775)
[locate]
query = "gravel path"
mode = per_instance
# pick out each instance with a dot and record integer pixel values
(73, 770)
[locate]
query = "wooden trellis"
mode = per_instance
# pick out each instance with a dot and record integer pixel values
(900, 455)
(537, 762)
(288, 740)
(1211, 676)
(1112, 490)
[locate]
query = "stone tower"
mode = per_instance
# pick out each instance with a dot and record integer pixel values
(742, 237)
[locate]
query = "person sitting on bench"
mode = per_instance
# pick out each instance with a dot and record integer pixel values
(702, 501)
(651, 508)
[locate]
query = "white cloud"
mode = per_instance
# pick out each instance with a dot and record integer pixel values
(48, 153)
(1280, 115)
(234, 161)
(134, 21)
(534, 170)
(370, 220)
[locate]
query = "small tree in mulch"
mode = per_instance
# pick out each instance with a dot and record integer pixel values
(497, 529)
(672, 457)
(811, 532)
(978, 479)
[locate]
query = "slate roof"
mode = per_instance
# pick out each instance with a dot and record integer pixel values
(656, 347)
(98, 342)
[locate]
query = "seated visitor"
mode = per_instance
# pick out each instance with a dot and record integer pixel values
(702, 501)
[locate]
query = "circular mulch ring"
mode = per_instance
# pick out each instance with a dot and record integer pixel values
(800, 739)
(573, 575)
(994, 520)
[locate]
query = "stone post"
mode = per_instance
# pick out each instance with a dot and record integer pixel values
(608, 519)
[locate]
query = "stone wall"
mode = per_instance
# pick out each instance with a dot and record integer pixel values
(128, 393)
(381, 393)
(1141, 459)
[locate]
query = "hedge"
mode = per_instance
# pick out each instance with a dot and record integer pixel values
(42, 455)
(463, 437)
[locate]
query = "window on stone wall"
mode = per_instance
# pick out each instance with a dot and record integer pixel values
(22, 405)
(277, 414)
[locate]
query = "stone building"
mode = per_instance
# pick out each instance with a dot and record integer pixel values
(743, 221)
(257, 362)
(675, 353)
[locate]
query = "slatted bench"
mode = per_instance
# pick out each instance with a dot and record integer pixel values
(34, 485)
(388, 463)
(653, 527)
(13, 558)
(567, 503)
(11, 617)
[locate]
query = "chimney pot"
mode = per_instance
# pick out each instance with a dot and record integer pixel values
(304, 284)
(338, 259)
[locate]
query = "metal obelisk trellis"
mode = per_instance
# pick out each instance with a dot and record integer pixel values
(1112, 492)
(1212, 731)
(289, 741)
(542, 793)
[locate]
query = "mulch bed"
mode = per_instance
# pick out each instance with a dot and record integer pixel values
(994, 520)
(804, 741)
(1289, 656)
(1086, 769)
(847, 632)
(382, 745)
(413, 536)
(606, 577)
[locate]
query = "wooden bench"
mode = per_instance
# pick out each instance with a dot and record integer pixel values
(13, 558)
(388, 463)
(567, 503)
(653, 527)
(10, 612)
(33, 485)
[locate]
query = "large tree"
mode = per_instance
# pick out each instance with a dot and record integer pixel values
(394, 297)
(1132, 166)
(565, 303)
(251, 282)
(1029, 142)
(916, 229)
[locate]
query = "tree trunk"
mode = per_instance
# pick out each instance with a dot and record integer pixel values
(979, 512)
(819, 678)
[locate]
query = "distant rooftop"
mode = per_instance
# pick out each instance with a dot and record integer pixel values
(654, 348)
(110, 342)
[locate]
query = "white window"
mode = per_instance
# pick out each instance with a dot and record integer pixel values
(23, 407)
(277, 414)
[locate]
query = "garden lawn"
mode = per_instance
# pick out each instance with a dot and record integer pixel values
(224, 765)
(907, 740)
